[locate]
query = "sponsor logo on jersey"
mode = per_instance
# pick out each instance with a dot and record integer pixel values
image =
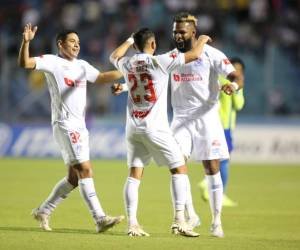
(140, 114)
(74, 83)
(187, 77)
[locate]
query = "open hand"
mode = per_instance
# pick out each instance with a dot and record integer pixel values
(29, 32)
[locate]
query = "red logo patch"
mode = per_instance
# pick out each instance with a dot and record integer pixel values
(176, 77)
(226, 61)
(69, 82)
(173, 55)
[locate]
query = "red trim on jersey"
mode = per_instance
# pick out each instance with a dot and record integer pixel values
(226, 61)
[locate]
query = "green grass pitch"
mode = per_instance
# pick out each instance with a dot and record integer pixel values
(268, 215)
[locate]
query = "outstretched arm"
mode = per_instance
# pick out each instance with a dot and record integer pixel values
(108, 76)
(196, 51)
(121, 50)
(24, 60)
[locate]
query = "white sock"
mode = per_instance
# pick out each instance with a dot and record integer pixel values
(179, 195)
(58, 193)
(215, 190)
(189, 207)
(131, 197)
(88, 193)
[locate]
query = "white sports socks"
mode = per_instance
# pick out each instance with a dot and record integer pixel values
(179, 194)
(131, 197)
(88, 192)
(215, 189)
(189, 207)
(58, 193)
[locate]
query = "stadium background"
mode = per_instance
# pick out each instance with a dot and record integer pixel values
(264, 33)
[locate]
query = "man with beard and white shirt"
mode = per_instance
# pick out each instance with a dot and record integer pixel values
(196, 123)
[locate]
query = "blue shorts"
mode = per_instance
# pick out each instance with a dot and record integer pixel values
(229, 141)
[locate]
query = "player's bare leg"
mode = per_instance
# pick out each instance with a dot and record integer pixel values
(215, 189)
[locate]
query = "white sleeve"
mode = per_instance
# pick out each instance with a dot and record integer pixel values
(91, 73)
(221, 63)
(171, 60)
(45, 63)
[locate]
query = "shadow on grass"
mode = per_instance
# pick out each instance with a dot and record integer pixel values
(61, 231)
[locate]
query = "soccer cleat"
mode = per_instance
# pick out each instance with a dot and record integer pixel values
(182, 228)
(227, 202)
(106, 222)
(136, 231)
(194, 222)
(43, 218)
(217, 231)
(204, 190)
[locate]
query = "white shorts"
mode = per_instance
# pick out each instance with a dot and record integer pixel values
(203, 136)
(73, 144)
(161, 145)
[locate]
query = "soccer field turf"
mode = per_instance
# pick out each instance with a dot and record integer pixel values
(268, 215)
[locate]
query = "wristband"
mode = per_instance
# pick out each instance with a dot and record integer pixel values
(130, 40)
(235, 86)
(124, 87)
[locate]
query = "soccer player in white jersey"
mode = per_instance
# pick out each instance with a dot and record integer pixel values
(147, 130)
(196, 124)
(67, 79)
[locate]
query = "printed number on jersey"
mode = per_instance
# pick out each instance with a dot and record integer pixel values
(142, 88)
(74, 137)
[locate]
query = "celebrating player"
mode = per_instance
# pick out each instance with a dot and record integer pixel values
(147, 130)
(67, 79)
(196, 123)
(229, 106)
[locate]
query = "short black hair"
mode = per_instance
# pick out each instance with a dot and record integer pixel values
(239, 61)
(141, 37)
(185, 17)
(62, 35)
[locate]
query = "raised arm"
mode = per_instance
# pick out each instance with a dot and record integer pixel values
(121, 50)
(196, 51)
(24, 60)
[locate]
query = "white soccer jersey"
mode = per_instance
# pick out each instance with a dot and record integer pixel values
(147, 79)
(67, 82)
(195, 86)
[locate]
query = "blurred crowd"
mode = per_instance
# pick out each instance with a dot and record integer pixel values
(265, 33)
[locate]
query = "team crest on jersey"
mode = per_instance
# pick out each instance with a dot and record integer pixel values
(198, 62)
